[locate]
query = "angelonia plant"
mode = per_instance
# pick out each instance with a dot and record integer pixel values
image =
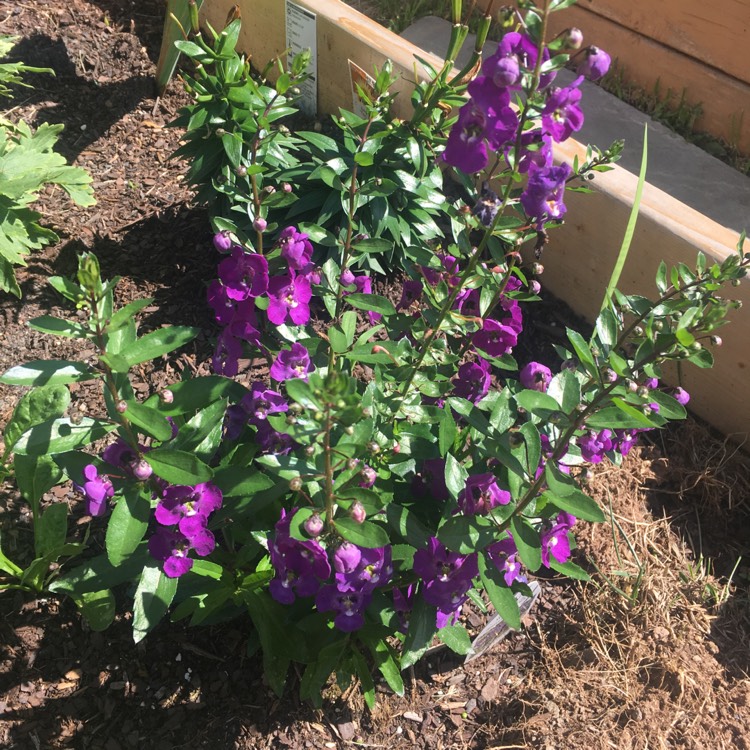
(386, 459)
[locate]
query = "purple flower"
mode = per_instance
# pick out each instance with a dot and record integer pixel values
(171, 546)
(595, 63)
(261, 402)
(188, 507)
(292, 363)
(372, 569)
(543, 197)
(346, 558)
(411, 293)
(504, 555)
(681, 396)
(349, 606)
(271, 441)
(467, 303)
(97, 488)
(481, 494)
(363, 285)
(244, 274)
(431, 480)
(296, 248)
(536, 377)
(473, 380)
(495, 338)
(536, 150)
(446, 577)
(561, 115)
(225, 360)
(485, 120)
(403, 603)
(300, 566)
(594, 445)
(289, 297)
(220, 302)
(555, 541)
(514, 53)
(449, 274)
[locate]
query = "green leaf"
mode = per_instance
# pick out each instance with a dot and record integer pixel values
(447, 431)
(407, 524)
(456, 639)
(35, 475)
(373, 245)
(467, 534)
(36, 406)
(365, 678)
(125, 314)
(97, 608)
(99, 571)
(539, 404)
(569, 569)
(527, 542)
(299, 390)
(59, 327)
(372, 303)
(202, 433)
(422, 628)
(582, 350)
(178, 467)
(153, 596)
(198, 393)
(238, 481)
(566, 390)
(156, 343)
(578, 504)
(128, 524)
(149, 420)
(61, 435)
(365, 534)
(455, 476)
(386, 664)
(51, 531)
(502, 598)
(318, 671)
(47, 372)
(606, 327)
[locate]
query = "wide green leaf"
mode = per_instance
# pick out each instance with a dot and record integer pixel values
(58, 327)
(456, 639)
(578, 504)
(149, 420)
(99, 571)
(156, 343)
(36, 406)
(178, 467)
(366, 534)
(371, 303)
(422, 628)
(51, 531)
(98, 608)
(466, 534)
(238, 481)
(502, 598)
(61, 435)
(128, 524)
(528, 543)
(47, 372)
(153, 596)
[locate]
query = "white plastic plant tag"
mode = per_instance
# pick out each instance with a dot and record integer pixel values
(301, 35)
(496, 629)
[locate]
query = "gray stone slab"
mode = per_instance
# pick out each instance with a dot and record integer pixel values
(681, 169)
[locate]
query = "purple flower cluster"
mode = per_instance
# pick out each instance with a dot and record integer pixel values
(594, 445)
(358, 572)
(555, 539)
(446, 578)
(300, 566)
(97, 489)
(504, 555)
(481, 494)
(183, 513)
(243, 278)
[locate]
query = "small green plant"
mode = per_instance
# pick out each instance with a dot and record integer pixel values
(28, 163)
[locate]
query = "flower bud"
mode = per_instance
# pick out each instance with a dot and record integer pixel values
(352, 464)
(313, 525)
(537, 269)
(638, 331)
(369, 475)
(142, 470)
(535, 287)
(223, 242)
(166, 396)
(121, 407)
(515, 439)
(573, 38)
(347, 277)
(309, 450)
(295, 484)
(595, 63)
(642, 391)
(716, 340)
(631, 385)
(349, 429)
(358, 512)
(89, 275)
(396, 447)
(260, 224)
(367, 412)
(241, 171)
(373, 447)
(286, 187)
(609, 375)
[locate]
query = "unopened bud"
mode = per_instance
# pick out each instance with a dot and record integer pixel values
(396, 447)
(515, 439)
(142, 470)
(223, 242)
(121, 407)
(608, 375)
(309, 450)
(537, 269)
(241, 171)
(166, 396)
(373, 447)
(573, 38)
(366, 412)
(295, 484)
(642, 391)
(358, 512)
(716, 340)
(352, 464)
(286, 187)
(260, 224)
(638, 331)
(368, 474)
(631, 385)
(313, 525)
(535, 287)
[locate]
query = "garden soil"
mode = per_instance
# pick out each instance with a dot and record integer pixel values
(652, 653)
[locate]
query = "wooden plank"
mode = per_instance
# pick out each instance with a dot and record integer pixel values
(725, 100)
(580, 255)
(716, 33)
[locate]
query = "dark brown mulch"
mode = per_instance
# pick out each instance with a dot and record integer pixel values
(591, 669)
